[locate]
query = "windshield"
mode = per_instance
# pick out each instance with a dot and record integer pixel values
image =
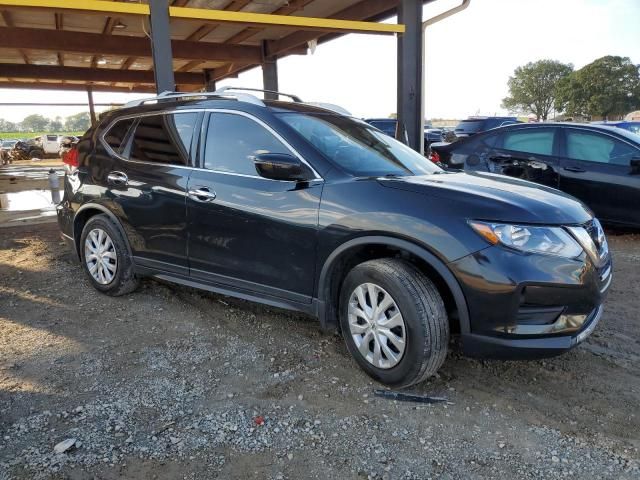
(8, 144)
(357, 147)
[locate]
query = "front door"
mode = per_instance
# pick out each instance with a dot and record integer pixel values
(248, 232)
(596, 168)
(149, 182)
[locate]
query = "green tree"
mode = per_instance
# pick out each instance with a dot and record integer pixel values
(55, 125)
(34, 123)
(7, 126)
(609, 86)
(533, 87)
(79, 122)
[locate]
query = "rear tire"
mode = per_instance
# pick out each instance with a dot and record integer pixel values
(400, 350)
(105, 257)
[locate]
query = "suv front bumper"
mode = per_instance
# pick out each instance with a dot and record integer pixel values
(526, 306)
(486, 346)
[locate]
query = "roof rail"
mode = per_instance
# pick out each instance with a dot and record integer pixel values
(222, 90)
(221, 93)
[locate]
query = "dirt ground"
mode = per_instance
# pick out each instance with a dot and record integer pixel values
(170, 382)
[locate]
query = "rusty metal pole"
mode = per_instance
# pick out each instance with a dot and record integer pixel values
(92, 109)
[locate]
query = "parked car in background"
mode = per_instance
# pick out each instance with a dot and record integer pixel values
(633, 127)
(432, 135)
(49, 144)
(388, 126)
(475, 125)
(26, 150)
(598, 164)
(298, 207)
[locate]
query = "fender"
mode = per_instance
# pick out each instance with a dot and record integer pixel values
(112, 217)
(438, 265)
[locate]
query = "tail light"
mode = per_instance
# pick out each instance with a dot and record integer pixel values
(71, 159)
(435, 158)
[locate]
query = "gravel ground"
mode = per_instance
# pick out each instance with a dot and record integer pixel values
(170, 382)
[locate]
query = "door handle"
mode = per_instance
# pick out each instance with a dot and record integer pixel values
(202, 194)
(117, 178)
(575, 169)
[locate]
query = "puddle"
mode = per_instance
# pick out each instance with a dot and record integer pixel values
(26, 200)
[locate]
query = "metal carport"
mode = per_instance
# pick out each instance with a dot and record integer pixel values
(103, 46)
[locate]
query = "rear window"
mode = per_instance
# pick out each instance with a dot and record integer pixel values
(164, 138)
(116, 134)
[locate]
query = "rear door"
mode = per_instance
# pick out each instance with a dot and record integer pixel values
(596, 168)
(249, 232)
(527, 153)
(148, 181)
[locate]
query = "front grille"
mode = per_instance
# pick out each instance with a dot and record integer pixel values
(594, 229)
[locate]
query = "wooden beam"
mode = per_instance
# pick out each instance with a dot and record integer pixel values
(8, 21)
(249, 32)
(47, 72)
(106, 30)
(207, 28)
(76, 87)
(363, 9)
(94, 43)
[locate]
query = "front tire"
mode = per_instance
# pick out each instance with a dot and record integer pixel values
(393, 321)
(105, 257)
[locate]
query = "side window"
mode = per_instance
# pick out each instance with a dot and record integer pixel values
(593, 147)
(164, 138)
(481, 142)
(116, 134)
(233, 140)
(536, 141)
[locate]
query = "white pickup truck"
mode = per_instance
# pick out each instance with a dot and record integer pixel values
(50, 144)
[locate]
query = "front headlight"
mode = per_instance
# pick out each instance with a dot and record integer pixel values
(526, 238)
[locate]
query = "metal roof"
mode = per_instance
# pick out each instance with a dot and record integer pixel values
(71, 45)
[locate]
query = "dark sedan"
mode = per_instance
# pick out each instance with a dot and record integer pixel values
(598, 164)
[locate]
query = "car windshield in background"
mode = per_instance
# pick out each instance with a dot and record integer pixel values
(358, 147)
(470, 126)
(632, 127)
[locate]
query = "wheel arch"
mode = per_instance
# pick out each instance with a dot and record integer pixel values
(360, 249)
(82, 216)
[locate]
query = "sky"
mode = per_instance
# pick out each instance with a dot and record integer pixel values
(470, 57)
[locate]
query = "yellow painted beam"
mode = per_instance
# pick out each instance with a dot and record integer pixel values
(302, 23)
(217, 16)
(100, 6)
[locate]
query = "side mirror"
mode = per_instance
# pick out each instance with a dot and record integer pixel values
(635, 165)
(281, 166)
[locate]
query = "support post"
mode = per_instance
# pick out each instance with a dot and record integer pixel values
(161, 45)
(269, 75)
(410, 96)
(92, 109)
(209, 81)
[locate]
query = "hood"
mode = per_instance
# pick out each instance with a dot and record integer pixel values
(495, 197)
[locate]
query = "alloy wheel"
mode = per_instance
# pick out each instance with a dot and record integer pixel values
(376, 326)
(100, 256)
